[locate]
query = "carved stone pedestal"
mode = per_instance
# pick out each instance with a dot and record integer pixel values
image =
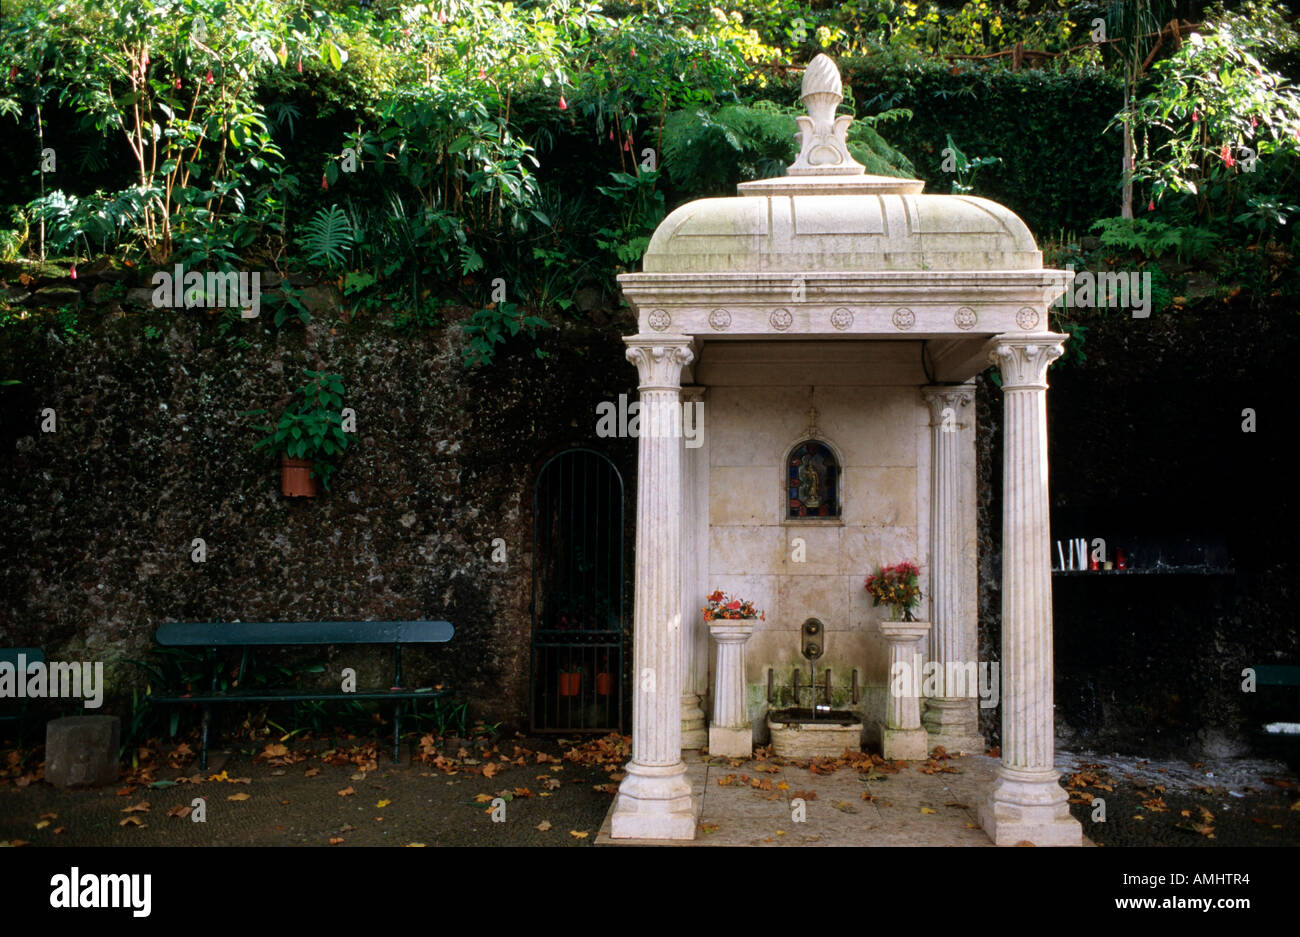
(901, 734)
(730, 734)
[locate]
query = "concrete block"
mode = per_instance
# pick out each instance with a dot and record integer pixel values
(81, 751)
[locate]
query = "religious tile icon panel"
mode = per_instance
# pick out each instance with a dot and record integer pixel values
(813, 481)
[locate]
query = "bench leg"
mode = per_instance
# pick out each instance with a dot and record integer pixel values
(203, 741)
(397, 731)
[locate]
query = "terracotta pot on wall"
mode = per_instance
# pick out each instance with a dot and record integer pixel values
(603, 684)
(295, 478)
(570, 683)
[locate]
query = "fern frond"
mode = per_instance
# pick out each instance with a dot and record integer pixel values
(327, 236)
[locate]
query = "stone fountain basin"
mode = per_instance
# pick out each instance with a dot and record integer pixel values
(797, 734)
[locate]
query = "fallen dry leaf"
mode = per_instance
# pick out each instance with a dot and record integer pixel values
(578, 834)
(142, 807)
(544, 825)
(239, 796)
(132, 820)
(335, 840)
(311, 772)
(928, 810)
(347, 791)
(383, 803)
(180, 810)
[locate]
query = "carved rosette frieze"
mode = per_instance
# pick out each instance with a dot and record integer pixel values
(965, 318)
(1027, 318)
(842, 318)
(659, 320)
(719, 320)
(781, 319)
(904, 319)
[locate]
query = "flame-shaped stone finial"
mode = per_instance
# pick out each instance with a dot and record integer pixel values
(823, 150)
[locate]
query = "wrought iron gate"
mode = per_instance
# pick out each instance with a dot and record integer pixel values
(577, 599)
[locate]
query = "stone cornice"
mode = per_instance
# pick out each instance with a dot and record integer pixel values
(912, 304)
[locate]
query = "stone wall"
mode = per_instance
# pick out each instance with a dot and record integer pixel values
(151, 451)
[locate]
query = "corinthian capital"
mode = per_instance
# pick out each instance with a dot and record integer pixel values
(942, 397)
(1023, 358)
(659, 360)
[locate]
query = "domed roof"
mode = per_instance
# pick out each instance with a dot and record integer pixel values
(801, 233)
(828, 215)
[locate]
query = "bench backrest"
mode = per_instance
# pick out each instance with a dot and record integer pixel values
(241, 633)
(9, 655)
(1277, 675)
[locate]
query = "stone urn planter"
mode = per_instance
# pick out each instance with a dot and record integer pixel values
(730, 733)
(901, 733)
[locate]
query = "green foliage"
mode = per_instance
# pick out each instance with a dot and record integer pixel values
(964, 168)
(1219, 126)
(327, 237)
(492, 326)
(313, 429)
(642, 210)
(1153, 238)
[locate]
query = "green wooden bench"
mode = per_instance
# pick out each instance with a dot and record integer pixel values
(10, 655)
(1288, 676)
(217, 635)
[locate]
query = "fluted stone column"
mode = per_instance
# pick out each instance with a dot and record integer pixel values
(1026, 803)
(695, 514)
(901, 734)
(654, 800)
(730, 734)
(951, 717)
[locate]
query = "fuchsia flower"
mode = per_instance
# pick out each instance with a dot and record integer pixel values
(73, 273)
(324, 184)
(1196, 115)
(564, 105)
(176, 83)
(13, 73)
(300, 66)
(208, 79)
(1151, 205)
(1225, 154)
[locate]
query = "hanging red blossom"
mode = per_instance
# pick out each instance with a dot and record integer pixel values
(1151, 205)
(208, 79)
(564, 105)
